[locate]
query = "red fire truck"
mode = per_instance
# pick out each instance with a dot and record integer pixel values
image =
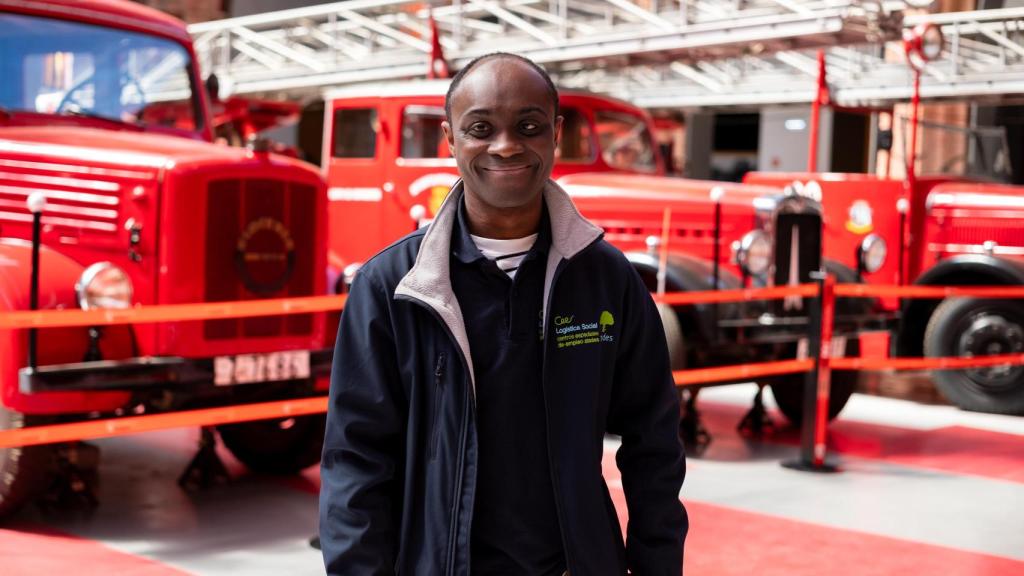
(388, 168)
(945, 231)
(106, 132)
(941, 232)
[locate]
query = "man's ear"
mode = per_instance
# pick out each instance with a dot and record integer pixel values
(449, 136)
(558, 129)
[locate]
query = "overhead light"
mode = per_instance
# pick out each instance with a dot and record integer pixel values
(795, 124)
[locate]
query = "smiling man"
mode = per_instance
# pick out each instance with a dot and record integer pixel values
(480, 363)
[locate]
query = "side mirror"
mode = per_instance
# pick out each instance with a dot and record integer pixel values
(212, 86)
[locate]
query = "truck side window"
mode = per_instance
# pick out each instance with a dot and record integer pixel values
(421, 132)
(575, 145)
(626, 143)
(355, 133)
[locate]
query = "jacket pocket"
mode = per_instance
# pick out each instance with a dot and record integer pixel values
(435, 424)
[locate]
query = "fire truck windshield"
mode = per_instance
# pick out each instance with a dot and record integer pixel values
(625, 141)
(60, 67)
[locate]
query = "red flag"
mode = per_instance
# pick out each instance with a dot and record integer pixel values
(438, 66)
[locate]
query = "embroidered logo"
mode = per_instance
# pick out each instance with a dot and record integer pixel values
(569, 333)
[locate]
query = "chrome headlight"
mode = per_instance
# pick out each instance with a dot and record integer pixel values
(754, 254)
(104, 286)
(872, 253)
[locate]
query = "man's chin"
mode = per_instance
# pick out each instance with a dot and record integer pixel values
(512, 198)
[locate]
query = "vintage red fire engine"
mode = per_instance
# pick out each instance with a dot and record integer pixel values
(945, 231)
(140, 210)
(388, 169)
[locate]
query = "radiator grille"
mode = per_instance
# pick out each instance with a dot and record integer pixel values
(259, 244)
(797, 253)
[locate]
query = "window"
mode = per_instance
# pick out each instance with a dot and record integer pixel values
(355, 133)
(575, 144)
(53, 66)
(421, 132)
(626, 143)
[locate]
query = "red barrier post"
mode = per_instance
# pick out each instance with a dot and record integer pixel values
(817, 385)
(828, 309)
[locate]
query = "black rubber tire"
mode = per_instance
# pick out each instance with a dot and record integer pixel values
(941, 339)
(283, 446)
(788, 390)
(25, 472)
(673, 336)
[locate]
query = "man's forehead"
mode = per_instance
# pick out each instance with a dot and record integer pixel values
(501, 83)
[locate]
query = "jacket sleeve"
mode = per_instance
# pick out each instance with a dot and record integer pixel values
(644, 411)
(360, 485)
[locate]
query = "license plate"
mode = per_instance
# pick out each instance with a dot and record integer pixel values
(252, 368)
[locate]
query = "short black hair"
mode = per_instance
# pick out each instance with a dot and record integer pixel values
(472, 63)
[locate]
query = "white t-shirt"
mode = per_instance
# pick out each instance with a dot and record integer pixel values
(507, 254)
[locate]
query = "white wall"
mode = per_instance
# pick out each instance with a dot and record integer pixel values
(785, 135)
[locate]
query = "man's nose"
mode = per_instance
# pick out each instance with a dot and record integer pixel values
(505, 145)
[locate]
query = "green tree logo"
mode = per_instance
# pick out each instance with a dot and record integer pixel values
(606, 320)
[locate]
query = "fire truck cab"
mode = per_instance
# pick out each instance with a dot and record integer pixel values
(105, 131)
(938, 231)
(388, 169)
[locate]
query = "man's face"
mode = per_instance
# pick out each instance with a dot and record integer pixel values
(503, 133)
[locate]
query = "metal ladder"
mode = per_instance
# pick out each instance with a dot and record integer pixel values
(298, 52)
(983, 57)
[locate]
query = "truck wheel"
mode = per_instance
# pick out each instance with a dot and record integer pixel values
(24, 471)
(966, 327)
(788, 390)
(282, 446)
(673, 337)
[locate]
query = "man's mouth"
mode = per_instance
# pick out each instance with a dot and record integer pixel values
(507, 170)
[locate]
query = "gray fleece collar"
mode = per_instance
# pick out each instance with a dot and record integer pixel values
(429, 280)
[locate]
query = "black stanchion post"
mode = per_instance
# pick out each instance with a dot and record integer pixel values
(716, 196)
(817, 381)
(36, 203)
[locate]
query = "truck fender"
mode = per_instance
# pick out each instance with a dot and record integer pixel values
(684, 273)
(962, 270)
(57, 278)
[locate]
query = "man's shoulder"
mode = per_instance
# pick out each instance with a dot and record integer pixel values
(393, 262)
(604, 254)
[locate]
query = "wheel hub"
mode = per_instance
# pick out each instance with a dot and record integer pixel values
(990, 334)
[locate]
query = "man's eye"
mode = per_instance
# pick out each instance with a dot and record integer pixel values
(479, 129)
(529, 127)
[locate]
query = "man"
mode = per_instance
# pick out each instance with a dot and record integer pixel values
(480, 363)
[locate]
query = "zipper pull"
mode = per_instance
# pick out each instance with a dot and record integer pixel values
(439, 371)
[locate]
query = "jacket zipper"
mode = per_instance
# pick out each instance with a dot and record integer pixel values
(438, 396)
(547, 425)
(459, 464)
(547, 414)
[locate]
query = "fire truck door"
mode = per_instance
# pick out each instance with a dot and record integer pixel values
(423, 170)
(354, 155)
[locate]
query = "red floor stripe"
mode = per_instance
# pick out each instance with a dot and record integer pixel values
(35, 550)
(726, 542)
(954, 449)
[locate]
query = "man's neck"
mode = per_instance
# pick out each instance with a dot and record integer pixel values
(502, 223)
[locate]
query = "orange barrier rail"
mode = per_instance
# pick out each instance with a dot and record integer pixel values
(170, 312)
(212, 416)
(813, 443)
(744, 295)
(944, 363)
(219, 310)
(147, 423)
(279, 306)
(740, 372)
(892, 291)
